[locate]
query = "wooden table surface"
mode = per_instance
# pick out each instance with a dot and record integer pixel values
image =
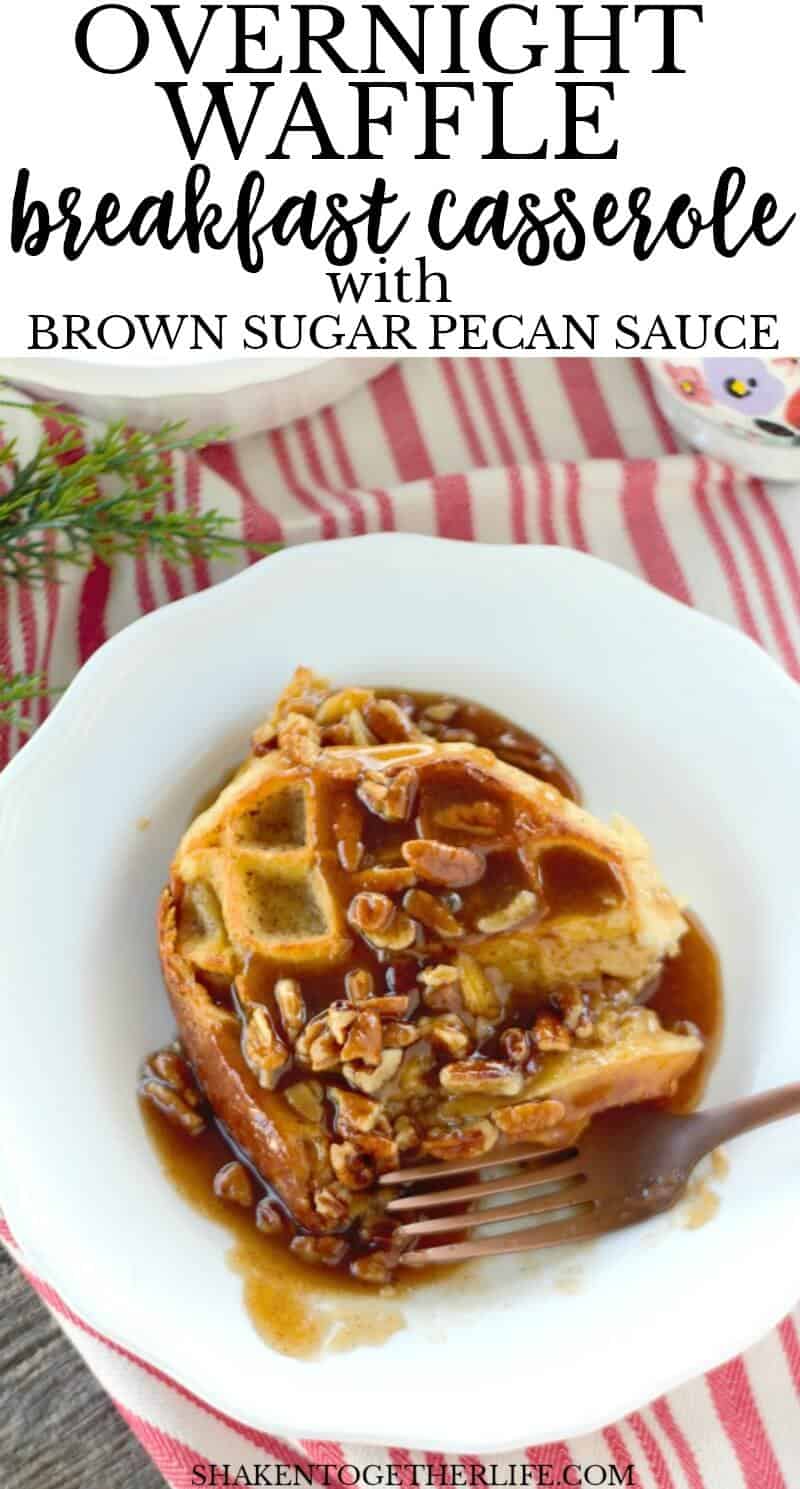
(58, 1429)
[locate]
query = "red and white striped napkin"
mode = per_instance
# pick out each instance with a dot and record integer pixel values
(570, 452)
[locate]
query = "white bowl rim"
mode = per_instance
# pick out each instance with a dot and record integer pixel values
(752, 1317)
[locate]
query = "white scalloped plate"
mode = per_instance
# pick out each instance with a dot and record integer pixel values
(672, 718)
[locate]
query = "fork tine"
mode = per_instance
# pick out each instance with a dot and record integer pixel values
(534, 1238)
(433, 1199)
(561, 1199)
(472, 1165)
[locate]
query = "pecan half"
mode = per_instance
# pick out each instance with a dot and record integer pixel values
(266, 1055)
(173, 1107)
(171, 1067)
(431, 913)
(450, 1035)
(232, 1182)
(528, 1119)
(477, 989)
(460, 1142)
(441, 863)
(479, 1077)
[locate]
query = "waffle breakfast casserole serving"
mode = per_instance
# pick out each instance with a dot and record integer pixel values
(394, 935)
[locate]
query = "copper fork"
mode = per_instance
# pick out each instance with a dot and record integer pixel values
(627, 1166)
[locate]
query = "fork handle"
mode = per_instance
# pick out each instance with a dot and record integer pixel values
(709, 1129)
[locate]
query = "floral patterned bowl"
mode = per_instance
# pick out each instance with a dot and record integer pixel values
(744, 410)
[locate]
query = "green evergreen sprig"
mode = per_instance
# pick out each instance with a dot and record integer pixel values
(83, 495)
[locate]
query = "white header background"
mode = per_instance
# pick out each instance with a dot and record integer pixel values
(736, 105)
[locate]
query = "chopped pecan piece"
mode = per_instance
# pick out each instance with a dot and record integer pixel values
(359, 732)
(460, 1142)
(406, 1135)
(441, 863)
(354, 1113)
(266, 1055)
(450, 1035)
(306, 1099)
(364, 1040)
(386, 878)
(549, 1034)
(173, 1107)
(573, 1005)
(516, 1046)
(269, 1218)
(479, 1077)
(425, 908)
(528, 1119)
(370, 913)
(387, 721)
(398, 1036)
(376, 1268)
(372, 1080)
(352, 1168)
(329, 1250)
(348, 825)
(171, 1067)
(515, 913)
(415, 1074)
(391, 1006)
(443, 975)
(332, 1206)
(483, 819)
(325, 1053)
(338, 706)
(313, 1031)
(390, 797)
(232, 1182)
(441, 713)
(299, 739)
(291, 1006)
(340, 1016)
(477, 989)
(359, 985)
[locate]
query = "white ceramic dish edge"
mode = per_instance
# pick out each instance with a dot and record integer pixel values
(750, 1319)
